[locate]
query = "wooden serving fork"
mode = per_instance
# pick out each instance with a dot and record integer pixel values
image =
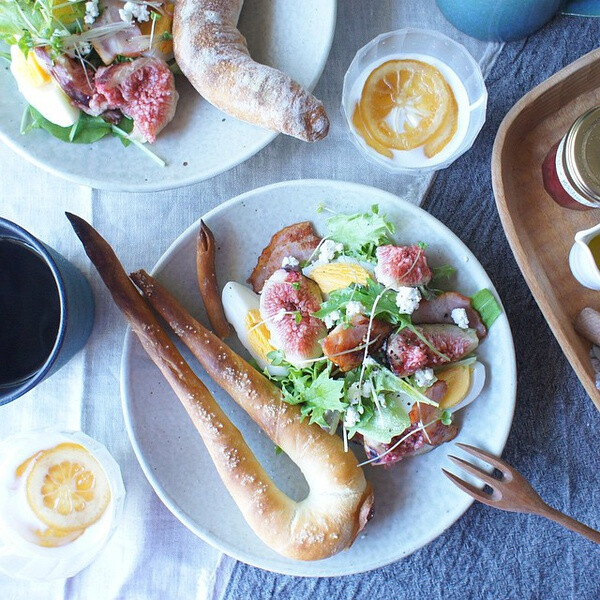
(512, 492)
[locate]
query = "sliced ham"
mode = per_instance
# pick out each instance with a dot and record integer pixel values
(298, 240)
(439, 310)
(127, 41)
(341, 339)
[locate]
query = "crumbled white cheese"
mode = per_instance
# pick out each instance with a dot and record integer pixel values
(278, 316)
(84, 48)
(407, 299)
(351, 417)
(133, 10)
(353, 393)
(91, 11)
(332, 318)
(327, 251)
(459, 316)
(425, 378)
(367, 389)
(370, 362)
(354, 308)
(289, 261)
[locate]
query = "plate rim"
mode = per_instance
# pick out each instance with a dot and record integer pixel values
(142, 187)
(167, 499)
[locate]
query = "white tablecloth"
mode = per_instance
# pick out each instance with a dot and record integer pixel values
(152, 555)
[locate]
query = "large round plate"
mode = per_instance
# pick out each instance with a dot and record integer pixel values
(414, 501)
(201, 141)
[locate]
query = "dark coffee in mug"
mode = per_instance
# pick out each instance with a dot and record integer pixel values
(29, 311)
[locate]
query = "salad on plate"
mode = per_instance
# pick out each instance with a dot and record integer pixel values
(358, 331)
(92, 68)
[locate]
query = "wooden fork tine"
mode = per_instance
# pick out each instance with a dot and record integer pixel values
(485, 456)
(469, 468)
(468, 488)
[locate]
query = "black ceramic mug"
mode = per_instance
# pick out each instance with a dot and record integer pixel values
(46, 311)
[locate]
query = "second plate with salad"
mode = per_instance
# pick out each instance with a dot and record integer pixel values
(200, 142)
(376, 401)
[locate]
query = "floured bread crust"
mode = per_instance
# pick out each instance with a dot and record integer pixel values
(214, 56)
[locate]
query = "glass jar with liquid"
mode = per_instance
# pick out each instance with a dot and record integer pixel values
(571, 169)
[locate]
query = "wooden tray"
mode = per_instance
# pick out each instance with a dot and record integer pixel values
(539, 231)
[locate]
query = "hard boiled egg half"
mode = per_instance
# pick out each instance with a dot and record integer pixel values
(40, 90)
(464, 382)
(338, 274)
(241, 307)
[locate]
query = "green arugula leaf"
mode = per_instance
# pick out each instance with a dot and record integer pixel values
(361, 233)
(85, 131)
(442, 272)
(312, 387)
(487, 306)
(386, 422)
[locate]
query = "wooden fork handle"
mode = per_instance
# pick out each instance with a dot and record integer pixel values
(570, 523)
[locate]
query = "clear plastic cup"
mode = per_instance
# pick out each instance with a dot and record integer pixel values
(20, 556)
(441, 51)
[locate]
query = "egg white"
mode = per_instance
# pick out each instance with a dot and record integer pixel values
(48, 99)
(475, 386)
(238, 300)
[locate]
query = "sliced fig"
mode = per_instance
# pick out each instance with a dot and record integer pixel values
(287, 303)
(439, 310)
(407, 353)
(340, 340)
(298, 240)
(399, 266)
(418, 442)
(143, 89)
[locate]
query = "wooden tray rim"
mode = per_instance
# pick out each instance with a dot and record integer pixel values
(556, 324)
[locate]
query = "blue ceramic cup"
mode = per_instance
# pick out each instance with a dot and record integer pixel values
(46, 311)
(499, 20)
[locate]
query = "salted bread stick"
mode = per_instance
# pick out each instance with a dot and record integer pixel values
(207, 281)
(339, 501)
(214, 56)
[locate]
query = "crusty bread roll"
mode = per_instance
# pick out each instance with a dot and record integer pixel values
(340, 500)
(214, 56)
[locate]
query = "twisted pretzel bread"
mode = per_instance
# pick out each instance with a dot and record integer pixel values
(214, 56)
(340, 500)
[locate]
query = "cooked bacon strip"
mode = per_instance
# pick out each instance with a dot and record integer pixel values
(74, 80)
(439, 310)
(298, 240)
(341, 339)
(207, 281)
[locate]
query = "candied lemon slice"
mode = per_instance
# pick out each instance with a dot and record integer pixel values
(336, 276)
(458, 380)
(53, 538)
(67, 488)
(358, 122)
(259, 336)
(404, 103)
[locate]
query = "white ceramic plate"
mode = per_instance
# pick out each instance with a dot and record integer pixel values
(201, 141)
(414, 501)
